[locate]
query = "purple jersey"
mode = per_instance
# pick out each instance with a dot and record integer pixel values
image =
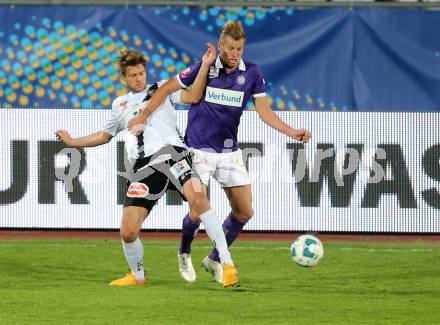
(213, 122)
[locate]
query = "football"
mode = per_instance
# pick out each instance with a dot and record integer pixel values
(307, 250)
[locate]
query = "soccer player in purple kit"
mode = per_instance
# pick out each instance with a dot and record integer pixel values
(212, 134)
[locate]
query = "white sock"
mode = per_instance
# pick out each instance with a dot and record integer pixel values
(134, 253)
(214, 230)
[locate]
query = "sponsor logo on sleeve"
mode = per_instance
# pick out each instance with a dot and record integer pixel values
(185, 73)
(224, 97)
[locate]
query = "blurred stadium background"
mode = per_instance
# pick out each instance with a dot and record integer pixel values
(363, 76)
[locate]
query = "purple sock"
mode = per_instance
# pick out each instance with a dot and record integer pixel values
(232, 228)
(189, 229)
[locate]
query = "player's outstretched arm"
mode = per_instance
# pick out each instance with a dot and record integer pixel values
(195, 94)
(91, 140)
(270, 118)
(135, 125)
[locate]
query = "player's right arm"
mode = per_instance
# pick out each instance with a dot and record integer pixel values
(91, 140)
(199, 85)
(111, 128)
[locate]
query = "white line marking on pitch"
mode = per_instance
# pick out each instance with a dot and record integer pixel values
(347, 249)
(343, 249)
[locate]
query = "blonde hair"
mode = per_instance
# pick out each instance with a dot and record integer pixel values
(130, 58)
(232, 29)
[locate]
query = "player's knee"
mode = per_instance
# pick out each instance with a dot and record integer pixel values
(128, 235)
(244, 215)
(199, 204)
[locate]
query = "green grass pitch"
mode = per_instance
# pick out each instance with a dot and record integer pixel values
(66, 282)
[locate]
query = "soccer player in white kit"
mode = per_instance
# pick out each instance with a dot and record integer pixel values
(212, 136)
(160, 161)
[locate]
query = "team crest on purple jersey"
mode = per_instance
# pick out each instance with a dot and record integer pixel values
(241, 80)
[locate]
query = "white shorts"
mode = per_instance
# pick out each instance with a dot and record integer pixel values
(227, 168)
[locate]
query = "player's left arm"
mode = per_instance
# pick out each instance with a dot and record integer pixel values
(273, 120)
(135, 125)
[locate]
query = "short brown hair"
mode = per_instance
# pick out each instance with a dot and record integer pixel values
(232, 29)
(130, 58)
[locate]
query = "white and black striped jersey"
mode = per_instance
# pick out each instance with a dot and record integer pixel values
(160, 130)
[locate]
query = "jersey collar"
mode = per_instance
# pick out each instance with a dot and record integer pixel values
(131, 94)
(219, 65)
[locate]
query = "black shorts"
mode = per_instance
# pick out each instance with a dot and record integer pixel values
(167, 169)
